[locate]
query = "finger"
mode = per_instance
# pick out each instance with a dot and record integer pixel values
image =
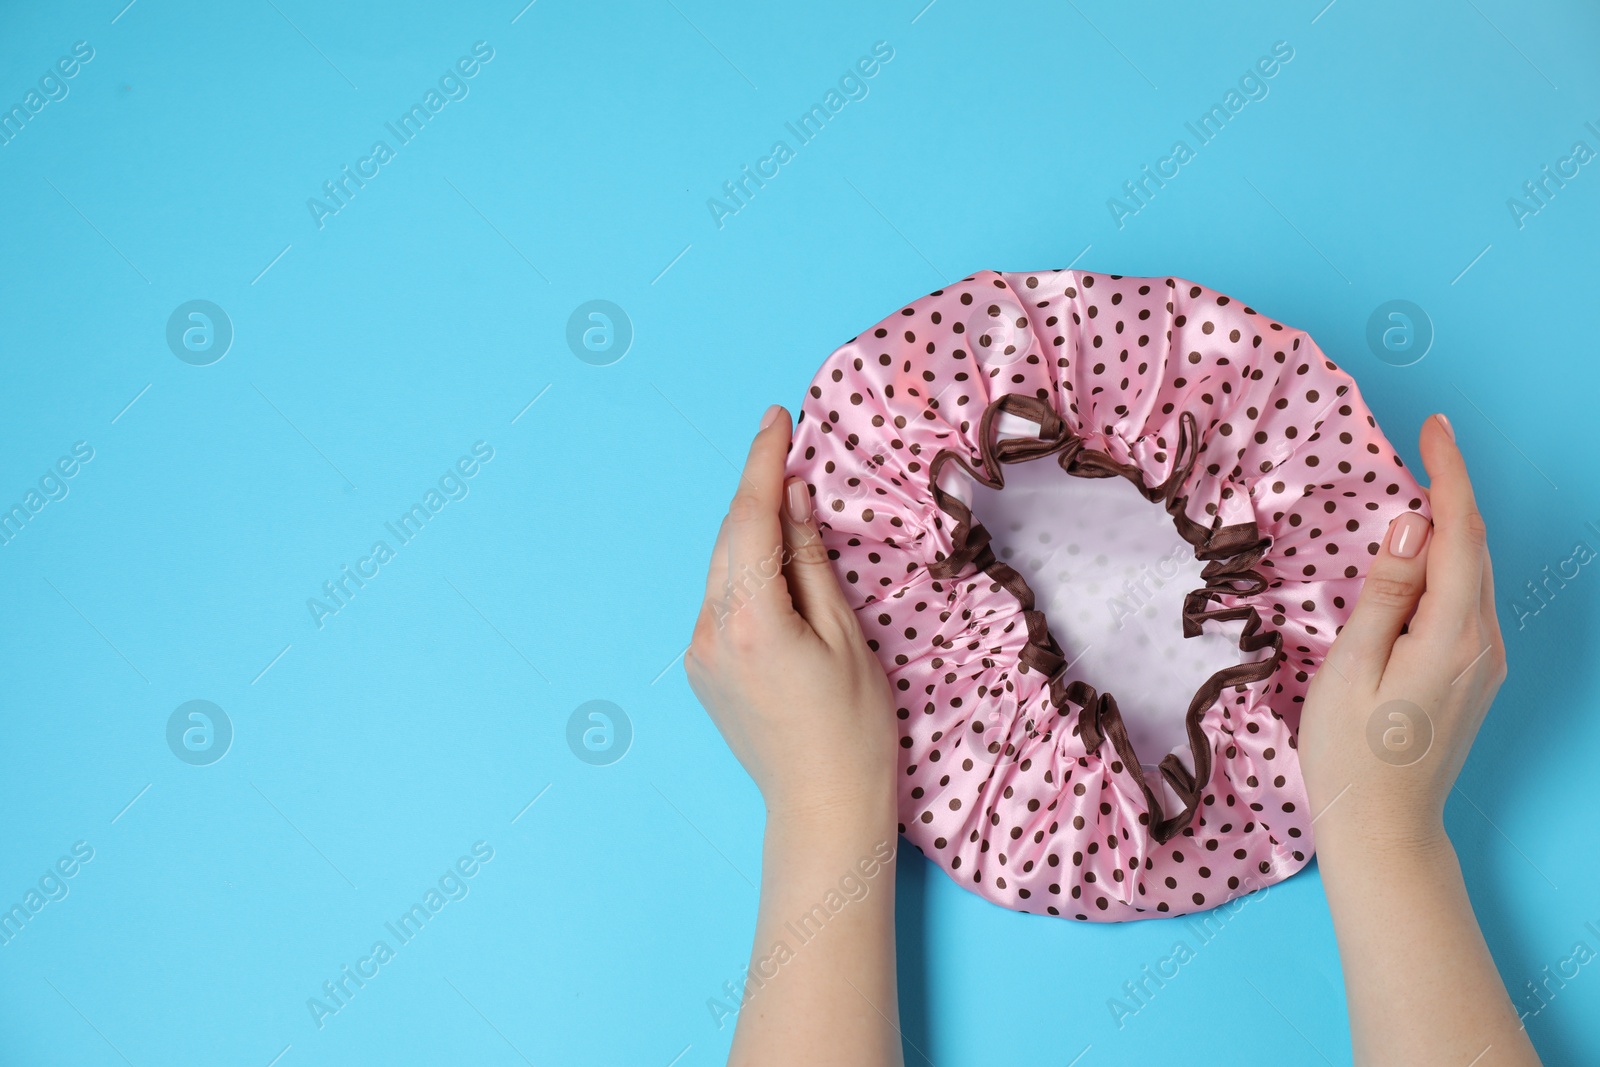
(813, 586)
(1486, 610)
(714, 607)
(1455, 560)
(717, 572)
(1486, 633)
(1388, 599)
(755, 539)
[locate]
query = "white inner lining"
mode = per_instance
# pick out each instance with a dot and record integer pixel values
(1110, 573)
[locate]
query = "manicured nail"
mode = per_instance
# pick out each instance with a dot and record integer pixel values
(1451, 430)
(772, 413)
(799, 502)
(1405, 539)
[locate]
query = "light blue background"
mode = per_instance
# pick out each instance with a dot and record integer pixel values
(428, 313)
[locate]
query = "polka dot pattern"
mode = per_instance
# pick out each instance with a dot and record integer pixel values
(1247, 434)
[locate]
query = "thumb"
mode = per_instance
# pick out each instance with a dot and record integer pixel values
(812, 584)
(1388, 599)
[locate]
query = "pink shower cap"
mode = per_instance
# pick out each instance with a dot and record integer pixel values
(1100, 531)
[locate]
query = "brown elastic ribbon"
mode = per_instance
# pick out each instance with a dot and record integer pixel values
(1231, 554)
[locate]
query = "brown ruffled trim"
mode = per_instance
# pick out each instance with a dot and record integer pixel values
(1230, 552)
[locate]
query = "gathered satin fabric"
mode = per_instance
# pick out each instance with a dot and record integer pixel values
(1019, 774)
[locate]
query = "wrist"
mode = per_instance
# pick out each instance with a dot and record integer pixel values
(835, 805)
(808, 851)
(1383, 850)
(834, 822)
(1362, 821)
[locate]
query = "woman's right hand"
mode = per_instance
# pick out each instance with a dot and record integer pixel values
(1386, 727)
(1391, 715)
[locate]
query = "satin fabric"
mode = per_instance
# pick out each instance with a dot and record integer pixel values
(999, 784)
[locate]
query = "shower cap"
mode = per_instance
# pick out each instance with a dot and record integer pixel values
(1100, 531)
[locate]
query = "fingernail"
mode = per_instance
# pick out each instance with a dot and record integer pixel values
(1451, 430)
(772, 413)
(799, 501)
(1405, 539)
